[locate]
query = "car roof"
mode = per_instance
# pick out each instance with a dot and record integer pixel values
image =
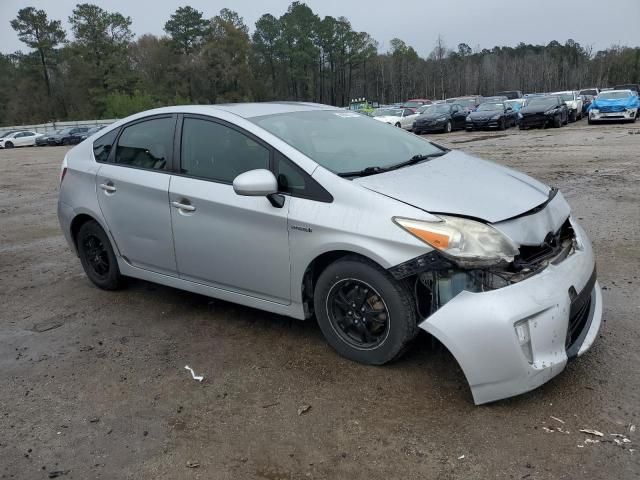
(250, 110)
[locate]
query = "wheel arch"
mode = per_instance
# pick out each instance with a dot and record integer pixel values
(317, 266)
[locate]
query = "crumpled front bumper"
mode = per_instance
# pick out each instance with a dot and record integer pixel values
(479, 328)
(628, 114)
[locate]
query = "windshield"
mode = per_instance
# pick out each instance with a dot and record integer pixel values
(613, 95)
(490, 107)
(566, 97)
(413, 104)
(388, 112)
(440, 108)
(541, 101)
(345, 142)
(589, 91)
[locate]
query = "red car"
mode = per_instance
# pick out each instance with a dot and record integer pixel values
(416, 103)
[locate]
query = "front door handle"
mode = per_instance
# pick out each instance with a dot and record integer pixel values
(184, 206)
(108, 187)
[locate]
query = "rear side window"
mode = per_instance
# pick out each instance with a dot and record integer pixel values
(102, 146)
(216, 152)
(146, 144)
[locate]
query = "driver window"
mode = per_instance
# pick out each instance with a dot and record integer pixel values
(213, 151)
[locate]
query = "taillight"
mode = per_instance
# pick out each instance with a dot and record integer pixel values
(62, 174)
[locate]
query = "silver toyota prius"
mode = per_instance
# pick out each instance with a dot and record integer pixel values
(316, 212)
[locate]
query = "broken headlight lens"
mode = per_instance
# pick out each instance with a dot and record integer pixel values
(468, 242)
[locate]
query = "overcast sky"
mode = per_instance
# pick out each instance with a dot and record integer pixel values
(479, 23)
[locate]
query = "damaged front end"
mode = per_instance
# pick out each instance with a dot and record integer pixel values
(512, 323)
(438, 279)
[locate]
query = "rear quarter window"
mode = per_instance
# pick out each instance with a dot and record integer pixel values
(102, 146)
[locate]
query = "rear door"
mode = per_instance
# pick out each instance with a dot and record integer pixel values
(222, 239)
(133, 188)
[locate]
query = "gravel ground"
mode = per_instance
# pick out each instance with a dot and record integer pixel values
(93, 383)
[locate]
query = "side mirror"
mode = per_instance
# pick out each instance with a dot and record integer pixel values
(255, 183)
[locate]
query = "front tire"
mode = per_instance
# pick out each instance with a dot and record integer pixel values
(398, 125)
(8, 145)
(502, 125)
(97, 257)
(573, 117)
(447, 128)
(364, 313)
(557, 122)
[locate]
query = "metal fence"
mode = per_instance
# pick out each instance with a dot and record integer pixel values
(52, 126)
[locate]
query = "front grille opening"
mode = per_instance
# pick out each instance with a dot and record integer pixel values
(536, 257)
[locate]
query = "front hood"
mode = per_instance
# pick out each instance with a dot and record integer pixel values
(461, 184)
(536, 109)
(628, 102)
(428, 118)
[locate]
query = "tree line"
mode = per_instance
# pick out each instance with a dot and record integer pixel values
(102, 71)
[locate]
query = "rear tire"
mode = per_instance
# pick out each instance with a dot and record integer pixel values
(97, 257)
(364, 313)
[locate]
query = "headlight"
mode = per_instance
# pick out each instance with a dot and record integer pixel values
(550, 111)
(495, 117)
(467, 242)
(594, 110)
(468, 119)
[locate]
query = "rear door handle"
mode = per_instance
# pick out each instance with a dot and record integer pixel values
(184, 206)
(108, 187)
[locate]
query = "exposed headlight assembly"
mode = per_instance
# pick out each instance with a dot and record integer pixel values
(467, 242)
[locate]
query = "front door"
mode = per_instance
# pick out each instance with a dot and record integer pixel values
(133, 190)
(223, 239)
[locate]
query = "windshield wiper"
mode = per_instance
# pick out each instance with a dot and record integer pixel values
(364, 172)
(415, 159)
(374, 170)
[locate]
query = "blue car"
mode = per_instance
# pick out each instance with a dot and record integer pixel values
(614, 105)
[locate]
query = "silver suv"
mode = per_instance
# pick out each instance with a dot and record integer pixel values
(316, 212)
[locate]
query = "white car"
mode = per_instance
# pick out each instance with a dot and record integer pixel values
(400, 117)
(21, 138)
(573, 102)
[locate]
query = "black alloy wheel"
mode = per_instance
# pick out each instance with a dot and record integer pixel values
(358, 314)
(97, 255)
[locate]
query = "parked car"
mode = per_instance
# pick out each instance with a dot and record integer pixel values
(416, 102)
(516, 104)
(494, 99)
(399, 117)
(444, 117)
(470, 102)
(544, 111)
(313, 212)
(511, 94)
(634, 87)
(4, 133)
(586, 102)
(19, 138)
(65, 136)
(80, 136)
(491, 115)
(573, 102)
(589, 91)
(614, 105)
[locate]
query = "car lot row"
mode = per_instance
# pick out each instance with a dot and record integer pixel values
(29, 138)
(500, 112)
